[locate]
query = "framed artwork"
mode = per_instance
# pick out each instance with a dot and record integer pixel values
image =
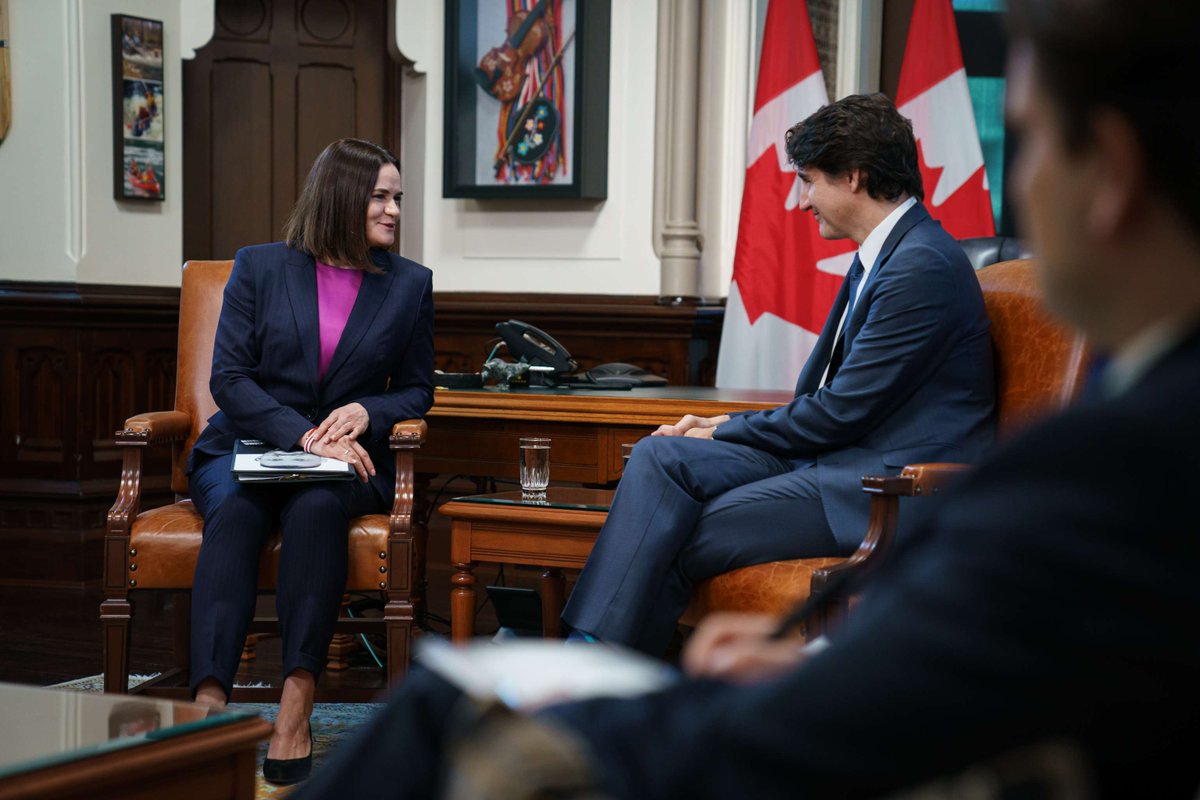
(526, 99)
(139, 166)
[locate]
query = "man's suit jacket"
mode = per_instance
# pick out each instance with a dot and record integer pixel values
(1052, 593)
(264, 372)
(916, 382)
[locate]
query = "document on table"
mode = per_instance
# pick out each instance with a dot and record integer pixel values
(529, 674)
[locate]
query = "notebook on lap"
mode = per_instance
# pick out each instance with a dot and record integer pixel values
(256, 462)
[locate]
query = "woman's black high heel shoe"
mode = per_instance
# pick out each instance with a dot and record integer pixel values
(285, 771)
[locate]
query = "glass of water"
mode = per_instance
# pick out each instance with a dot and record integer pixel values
(535, 464)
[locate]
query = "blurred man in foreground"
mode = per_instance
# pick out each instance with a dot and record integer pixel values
(1053, 594)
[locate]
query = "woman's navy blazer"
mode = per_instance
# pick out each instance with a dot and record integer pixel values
(264, 370)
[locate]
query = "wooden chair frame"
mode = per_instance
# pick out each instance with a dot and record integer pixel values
(401, 571)
(1011, 294)
(398, 540)
(915, 480)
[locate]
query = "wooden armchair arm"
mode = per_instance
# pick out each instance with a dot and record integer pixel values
(407, 437)
(915, 480)
(155, 427)
(408, 434)
(403, 584)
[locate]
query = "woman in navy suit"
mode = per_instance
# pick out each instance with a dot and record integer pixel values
(324, 342)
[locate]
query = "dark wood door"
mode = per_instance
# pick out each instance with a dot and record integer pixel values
(279, 81)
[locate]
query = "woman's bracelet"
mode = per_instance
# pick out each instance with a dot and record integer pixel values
(308, 439)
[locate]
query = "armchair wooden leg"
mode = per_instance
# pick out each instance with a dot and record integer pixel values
(343, 644)
(420, 533)
(249, 648)
(398, 628)
(420, 583)
(553, 591)
(115, 614)
(183, 630)
(340, 648)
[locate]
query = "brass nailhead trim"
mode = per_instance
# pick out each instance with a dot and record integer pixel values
(133, 552)
(133, 581)
(382, 568)
(382, 554)
(382, 585)
(133, 567)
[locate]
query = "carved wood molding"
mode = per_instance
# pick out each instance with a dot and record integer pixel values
(632, 312)
(75, 302)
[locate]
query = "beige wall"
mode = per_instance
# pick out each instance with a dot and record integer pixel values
(591, 248)
(58, 218)
(59, 221)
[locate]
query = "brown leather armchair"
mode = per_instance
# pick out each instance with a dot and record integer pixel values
(1040, 367)
(157, 549)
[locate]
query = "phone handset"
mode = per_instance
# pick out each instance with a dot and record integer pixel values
(535, 346)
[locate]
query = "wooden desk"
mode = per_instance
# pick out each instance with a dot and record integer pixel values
(63, 744)
(556, 535)
(475, 432)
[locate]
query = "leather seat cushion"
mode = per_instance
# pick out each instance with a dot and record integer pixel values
(771, 588)
(165, 543)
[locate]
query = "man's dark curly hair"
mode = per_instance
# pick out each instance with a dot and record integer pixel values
(863, 132)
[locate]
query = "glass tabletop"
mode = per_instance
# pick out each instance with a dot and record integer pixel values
(554, 497)
(45, 727)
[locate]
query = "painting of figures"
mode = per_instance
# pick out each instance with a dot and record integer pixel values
(139, 160)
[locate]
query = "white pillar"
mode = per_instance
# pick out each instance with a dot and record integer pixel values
(677, 239)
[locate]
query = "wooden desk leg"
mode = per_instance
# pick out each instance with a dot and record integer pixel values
(462, 603)
(553, 591)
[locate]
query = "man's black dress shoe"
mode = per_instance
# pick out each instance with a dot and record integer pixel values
(284, 771)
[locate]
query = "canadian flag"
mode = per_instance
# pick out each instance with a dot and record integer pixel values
(933, 94)
(785, 276)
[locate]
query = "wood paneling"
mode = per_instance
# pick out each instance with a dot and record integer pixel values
(279, 81)
(77, 360)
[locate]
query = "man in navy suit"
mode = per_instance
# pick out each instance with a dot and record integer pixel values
(1050, 596)
(902, 373)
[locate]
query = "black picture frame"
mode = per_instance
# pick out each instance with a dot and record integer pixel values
(139, 140)
(586, 173)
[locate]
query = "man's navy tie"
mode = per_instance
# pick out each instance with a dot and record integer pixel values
(839, 347)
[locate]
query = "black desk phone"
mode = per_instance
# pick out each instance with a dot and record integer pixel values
(535, 346)
(538, 348)
(542, 361)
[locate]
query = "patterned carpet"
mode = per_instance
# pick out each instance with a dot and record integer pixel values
(332, 723)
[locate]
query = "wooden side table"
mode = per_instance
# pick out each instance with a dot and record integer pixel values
(506, 528)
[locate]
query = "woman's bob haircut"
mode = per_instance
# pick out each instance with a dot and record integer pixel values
(329, 220)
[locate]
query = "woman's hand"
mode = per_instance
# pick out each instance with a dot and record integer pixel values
(348, 450)
(349, 420)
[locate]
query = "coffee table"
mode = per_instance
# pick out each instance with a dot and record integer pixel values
(554, 532)
(65, 744)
